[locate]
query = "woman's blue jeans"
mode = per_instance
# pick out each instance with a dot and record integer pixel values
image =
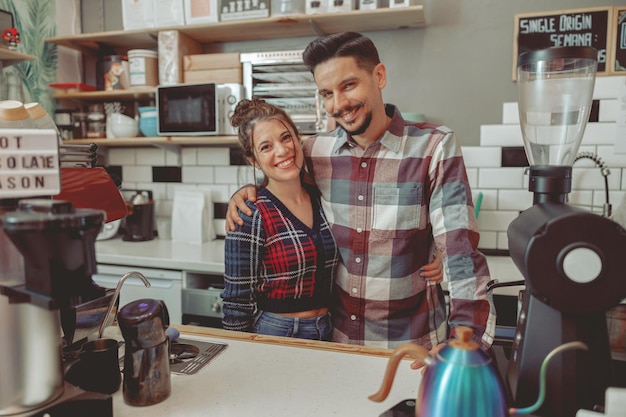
(316, 328)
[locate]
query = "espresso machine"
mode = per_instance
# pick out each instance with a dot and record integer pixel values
(573, 260)
(48, 300)
(55, 245)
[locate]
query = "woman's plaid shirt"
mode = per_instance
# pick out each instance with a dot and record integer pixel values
(275, 263)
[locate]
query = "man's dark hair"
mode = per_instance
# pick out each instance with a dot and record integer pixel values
(344, 44)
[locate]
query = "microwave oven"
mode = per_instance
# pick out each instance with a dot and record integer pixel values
(199, 109)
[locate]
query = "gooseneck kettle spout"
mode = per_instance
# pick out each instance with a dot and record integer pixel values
(542, 376)
(108, 318)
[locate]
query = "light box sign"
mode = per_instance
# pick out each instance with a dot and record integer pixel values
(29, 163)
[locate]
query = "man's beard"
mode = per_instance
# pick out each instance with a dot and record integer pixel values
(358, 130)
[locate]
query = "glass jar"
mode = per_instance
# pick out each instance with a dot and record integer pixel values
(80, 125)
(96, 121)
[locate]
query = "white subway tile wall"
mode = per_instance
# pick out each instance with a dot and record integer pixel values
(505, 189)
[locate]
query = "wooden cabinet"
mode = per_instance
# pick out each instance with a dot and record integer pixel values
(232, 31)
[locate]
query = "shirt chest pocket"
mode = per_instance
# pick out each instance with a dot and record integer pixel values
(396, 211)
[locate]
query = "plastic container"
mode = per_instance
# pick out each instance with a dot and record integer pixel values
(148, 121)
(144, 68)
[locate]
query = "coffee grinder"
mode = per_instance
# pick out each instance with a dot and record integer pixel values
(573, 260)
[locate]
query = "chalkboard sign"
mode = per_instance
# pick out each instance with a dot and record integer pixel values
(618, 57)
(576, 27)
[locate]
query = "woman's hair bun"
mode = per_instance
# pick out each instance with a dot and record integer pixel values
(245, 109)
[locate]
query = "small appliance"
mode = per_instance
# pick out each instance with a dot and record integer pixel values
(281, 78)
(572, 259)
(54, 243)
(199, 109)
(140, 219)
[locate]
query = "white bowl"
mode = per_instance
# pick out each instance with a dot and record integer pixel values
(123, 126)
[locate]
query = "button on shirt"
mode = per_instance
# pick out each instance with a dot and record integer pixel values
(385, 203)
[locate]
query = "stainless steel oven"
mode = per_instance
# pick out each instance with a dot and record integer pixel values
(281, 78)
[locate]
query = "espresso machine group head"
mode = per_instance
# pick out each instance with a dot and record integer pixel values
(572, 260)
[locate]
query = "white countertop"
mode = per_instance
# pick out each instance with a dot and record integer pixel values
(167, 254)
(252, 378)
(209, 257)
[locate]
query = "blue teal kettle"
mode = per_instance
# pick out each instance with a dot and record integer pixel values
(460, 380)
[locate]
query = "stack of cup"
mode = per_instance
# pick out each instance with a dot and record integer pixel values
(13, 115)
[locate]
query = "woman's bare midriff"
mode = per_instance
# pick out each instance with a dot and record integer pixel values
(309, 314)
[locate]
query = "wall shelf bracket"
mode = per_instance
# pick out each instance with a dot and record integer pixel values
(167, 146)
(316, 28)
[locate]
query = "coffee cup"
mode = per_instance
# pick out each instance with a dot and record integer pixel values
(97, 368)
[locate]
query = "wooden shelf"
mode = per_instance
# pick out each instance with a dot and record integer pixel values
(160, 141)
(257, 29)
(9, 57)
(132, 94)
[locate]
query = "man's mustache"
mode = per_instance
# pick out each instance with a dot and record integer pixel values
(338, 113)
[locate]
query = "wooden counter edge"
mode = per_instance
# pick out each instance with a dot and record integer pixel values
(282, 341)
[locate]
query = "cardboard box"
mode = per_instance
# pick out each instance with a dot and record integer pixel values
(220, 76)
(243, 10)
(211, 61)
(173, 46)
(137, 14)
(169, 13)
(201, 11)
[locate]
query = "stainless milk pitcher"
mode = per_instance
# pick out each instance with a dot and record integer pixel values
(146, 359)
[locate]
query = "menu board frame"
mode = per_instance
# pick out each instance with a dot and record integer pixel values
(550, 25)
(618, 41)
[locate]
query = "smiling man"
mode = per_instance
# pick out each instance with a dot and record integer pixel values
(389, 187)
(392, 190)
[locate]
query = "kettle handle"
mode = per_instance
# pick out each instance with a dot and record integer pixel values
(417, 352)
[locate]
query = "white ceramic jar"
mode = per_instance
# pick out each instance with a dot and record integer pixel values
(144, 68)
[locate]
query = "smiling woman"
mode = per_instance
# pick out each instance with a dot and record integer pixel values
(279, 265)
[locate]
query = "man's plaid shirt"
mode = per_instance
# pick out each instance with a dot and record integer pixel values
(385, 203)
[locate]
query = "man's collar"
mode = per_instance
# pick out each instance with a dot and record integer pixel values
(391, 138)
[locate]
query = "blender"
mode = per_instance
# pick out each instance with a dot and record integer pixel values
(572, 260)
